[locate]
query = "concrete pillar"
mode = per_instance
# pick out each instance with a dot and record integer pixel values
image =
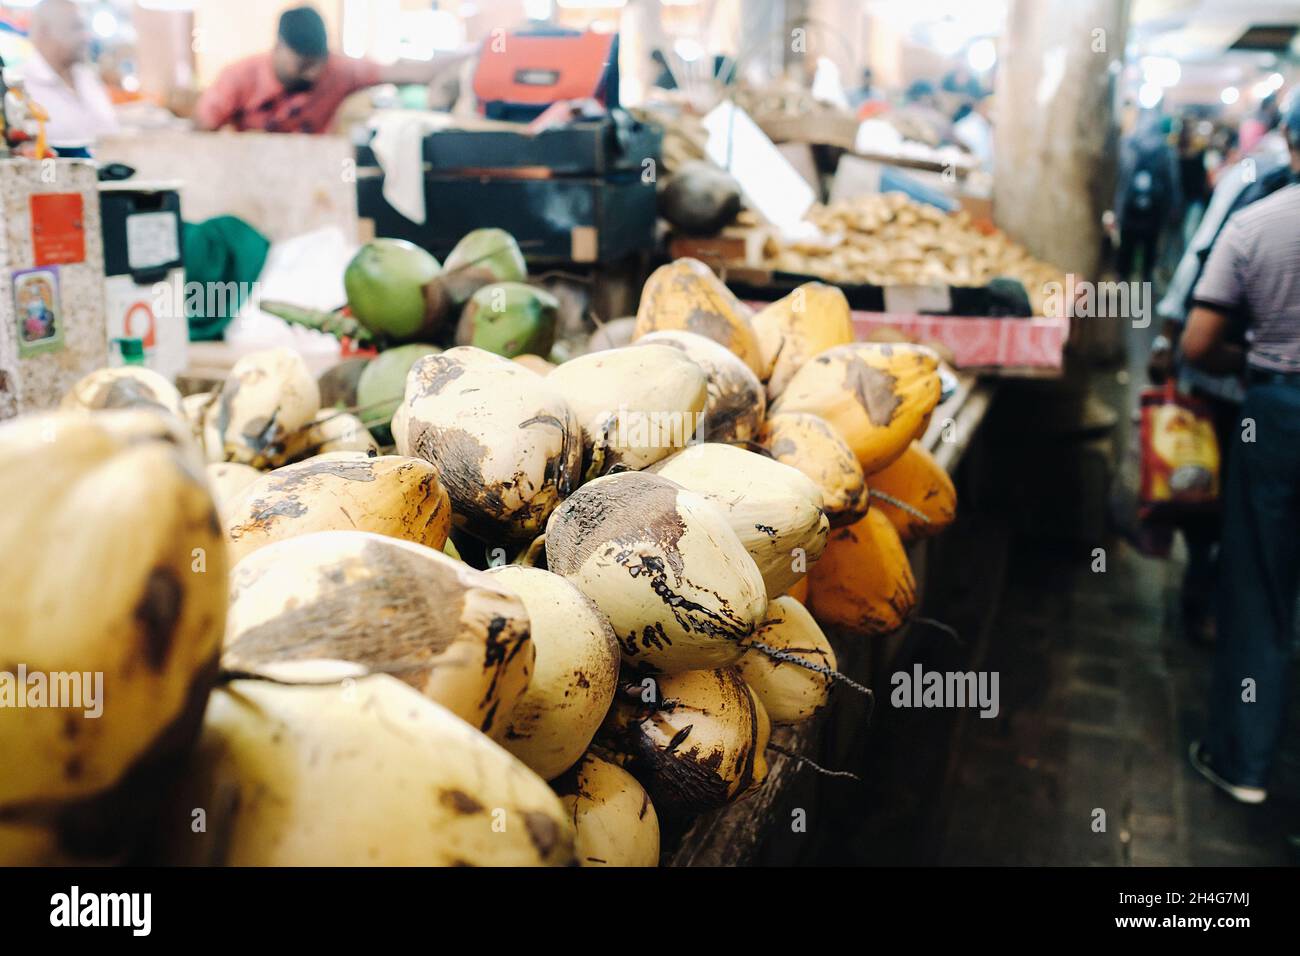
(1055, 137)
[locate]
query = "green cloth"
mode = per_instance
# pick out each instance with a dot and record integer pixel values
(223, 257)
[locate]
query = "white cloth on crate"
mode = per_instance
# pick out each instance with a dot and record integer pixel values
(398, 145)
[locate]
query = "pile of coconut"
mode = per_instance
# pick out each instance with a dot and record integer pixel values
(570, 601)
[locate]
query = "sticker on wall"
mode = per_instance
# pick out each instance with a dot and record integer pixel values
(58, 229)
(37, 311)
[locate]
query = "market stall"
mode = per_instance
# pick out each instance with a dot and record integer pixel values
(595, 425)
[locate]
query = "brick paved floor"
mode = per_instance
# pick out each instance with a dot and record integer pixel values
(1099, 701)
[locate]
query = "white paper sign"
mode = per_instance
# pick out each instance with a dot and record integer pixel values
(152, 239)
(918, 299)
(772, 186)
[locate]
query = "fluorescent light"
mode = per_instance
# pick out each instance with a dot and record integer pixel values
(981, 56)
(1150, 95)
(538, 9)
(104, 23)
(946, 38)
(688, 49)
(1265, 87)
(1229, 95)
(1161, 71)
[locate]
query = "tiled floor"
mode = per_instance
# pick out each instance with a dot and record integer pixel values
(1102, 725)
(1100, 697)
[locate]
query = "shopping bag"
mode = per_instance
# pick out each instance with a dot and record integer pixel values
(1150, 537)
(1180, 467)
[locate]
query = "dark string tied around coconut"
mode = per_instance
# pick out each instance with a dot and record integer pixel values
(940, 626)
(788, 658)
(802, 761)
(900, 505)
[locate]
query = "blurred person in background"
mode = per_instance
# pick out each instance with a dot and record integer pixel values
(1192, 175)
(299, 85)
(1149, 195)
(920, 117)
(866, 91)
(59, 78)
(974, 131)
(1264, 120)
(1252, 277)
(1265, 171)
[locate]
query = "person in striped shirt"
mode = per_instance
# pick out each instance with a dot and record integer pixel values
(1253, 276)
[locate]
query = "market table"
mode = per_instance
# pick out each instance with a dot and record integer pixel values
(736, 835)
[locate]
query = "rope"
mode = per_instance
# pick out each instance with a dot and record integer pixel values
(830, 672)
(900, 505)
(801, 760)
(940, 626)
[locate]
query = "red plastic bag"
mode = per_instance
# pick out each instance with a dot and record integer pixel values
(1180, 455)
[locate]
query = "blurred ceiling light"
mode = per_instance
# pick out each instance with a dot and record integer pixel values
(590, 4)
(946, 37)
(425, 32)
(1161, 71)
(688, 49)
(1229, 95)
(981, 56)
(538, 9)
(1267, 86)
(158, 4)
(356, 28)
(104, 23)
(1150, 95)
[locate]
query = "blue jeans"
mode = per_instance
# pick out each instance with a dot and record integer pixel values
(1259, 575)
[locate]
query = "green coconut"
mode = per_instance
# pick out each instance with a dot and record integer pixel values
(382, 384)
(509, 318)
(482, 257)
(338, 383)
(392, 290)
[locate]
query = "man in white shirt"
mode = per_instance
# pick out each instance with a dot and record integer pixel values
(58, 77)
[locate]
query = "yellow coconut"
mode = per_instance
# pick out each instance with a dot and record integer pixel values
(687, 296)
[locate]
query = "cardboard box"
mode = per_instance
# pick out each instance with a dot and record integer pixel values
(52, 327)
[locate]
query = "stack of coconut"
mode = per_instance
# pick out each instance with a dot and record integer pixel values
(654, 536)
